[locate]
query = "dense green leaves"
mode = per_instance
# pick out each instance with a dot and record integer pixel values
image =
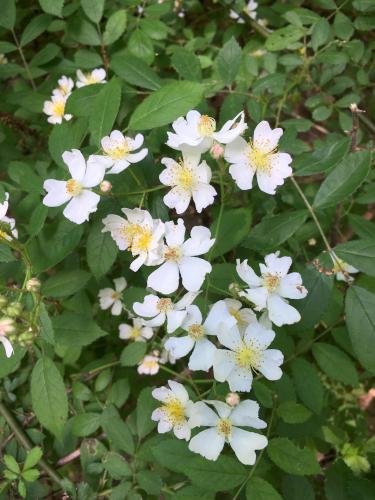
(308, 385)
(135, 71)
(258, 488)
(335, 363)
(186, 64)
(104, 110)
(65, 283)
(234, 227)
(360, 254)
(73, 329)
(101, 251)
(228, 61)
(115, 27)
(292, 459)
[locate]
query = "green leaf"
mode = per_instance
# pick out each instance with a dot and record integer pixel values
(116, 465)
(82, 31)
(46, 328)
(101, 251)
(320, 33)
(6, 253)
(166, 104)
(10, 365)
(30, 475)
(73, 329)
(36, 27)
(146, 404)
(133, 353)
(37, 220)
(81, 100)
(11, 464)
(32, 458)
(8, 14)
(321, 159)
(172, 454)
(308, 385)
(104, 110)
(93, 9)
(186, 64)
(344, 180)
(150, 481)
(65, 137)
(65, 283)
(117, 430)
(53, 7)
(228, 61)
(293, 413)
(48, 396)
(85, 424)
(274, 230)
(115, 27)
(140, 45)
(360, 319)
(234, 227)
(292, 459)
(335, 363)
(343, 26)
(359, 253)
(283, 38)
(258, 489)
(134, 71)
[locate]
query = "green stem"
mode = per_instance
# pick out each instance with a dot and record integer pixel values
(19, 48)
(149, 190)
(185, 379)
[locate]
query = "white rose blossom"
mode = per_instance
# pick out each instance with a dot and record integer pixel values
(66, 86)
(246, 352)
(163, 309)
(273, 287)
(250, 10)
(137, 331)
(196, 340)
(224, 426)
(259, 157)
(139, 233)
(342, 269)
(77, 190)
(118, 151)
(111, 298)
(55, 108)
(7, 220)
(96, 76)
(6, 326)
(189, 178)
(242, 315)
(180, 258)
(175, 410)
(199, 131)
(149, 365)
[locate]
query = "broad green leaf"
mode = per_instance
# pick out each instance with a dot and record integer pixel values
(8, 14)
(297, 487)
(234, 227)
(115, 27)
(118, 432)
(83, 31)
(46, 328)
(150, 481)
(293, 413)
(292, 459)
(10, 365)
(228, 61)
(93, 9)
(321, 159)
(6, 254)
(65, 283)
(82, 99)
(258, 489)
(104, 110)
(335, 363)
(343, 26)
(172, 454)
(134, 71)
(141, 46)
(166, 104)
(72, 329)
(36, 27)
(133, 353)
(320, 33)
(85, 424)
(32, 458)
(37, 220)
(284, 37)
(146, 404)
(360, 320)
(344, 180)
(186, 64)
(11, 464)
(52, 6)
(364, 5)
(359, 253)
(365, 229)
(48, 396)
(116, 465)
(274, 230)
(65, 137)
(308, 385)
(101, 250)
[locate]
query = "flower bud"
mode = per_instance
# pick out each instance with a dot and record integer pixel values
(234, 288)
(353, 107)
(216, 151)
(312, 242)
(33, 285)
(232, 399)
(14, 309)
(105, 186)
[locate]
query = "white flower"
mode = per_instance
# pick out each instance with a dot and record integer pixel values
(200, 131)
(139, 233)
(137, 332)
(161, 309)
(259, 157)
(7, 220)
(117, 151)
(6, 326)
(189, 179)
(96, 76)
(270, 290)
(243, 315)
(250, 10)
(224, 427)
(55, 108)
(3, 59)
(82, 201)
(109, 298)
(342, 270)
(174, 411)
(246, 352)
(196, 340)
(66, 85)
(180, 258)
(149, 365)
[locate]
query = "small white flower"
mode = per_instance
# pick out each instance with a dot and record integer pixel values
(188, 179)
(224, 427)
(137, 332)
(3, 59)
(6, 326)
(55, 108)
(76, 191)
(246, 352)
(250, 10)
(118, 151)
(66, 85)
(243, 315)
(270, 290)
(7, 220)
(111, 298)
(162, 309)
(342, 270)
(139, 233)
(196, 340)
(175, 410)
(180, 258)
(260, 157)
(149, 365)
(199, 131)
(96, 76)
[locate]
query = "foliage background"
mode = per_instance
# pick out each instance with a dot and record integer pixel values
(74, 391)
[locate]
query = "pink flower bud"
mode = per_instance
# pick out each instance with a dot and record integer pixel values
(105, 186)
(217, 151)
(232, 399)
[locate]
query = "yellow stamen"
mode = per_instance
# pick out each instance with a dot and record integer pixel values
(73, 187)
(175, 411)
(164, 305)
(119, 151)
(185, 177)
(271, 281)
(58, 108)
(248, 356)
(172, 253)
(224, 427)
(135, 333)
(141, 240)
(196, 331)
(260, 159)
(206, 125)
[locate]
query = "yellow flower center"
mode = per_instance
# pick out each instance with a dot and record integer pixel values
(58, 108)
(115, 295)
(119, 151)
(164, 305)
(141, 240)
(185, 177)
(172, 253)
(224, 427)
(135, 333)
(196, 331)
(271, 281)
(339, 266)
(206, 125)
(150, 364)
(259, 159)
(175, 411)
(248, 356)
(73, 187)
(3, 235)
(89, 79)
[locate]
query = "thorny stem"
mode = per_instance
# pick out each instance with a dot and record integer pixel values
(19, 48)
